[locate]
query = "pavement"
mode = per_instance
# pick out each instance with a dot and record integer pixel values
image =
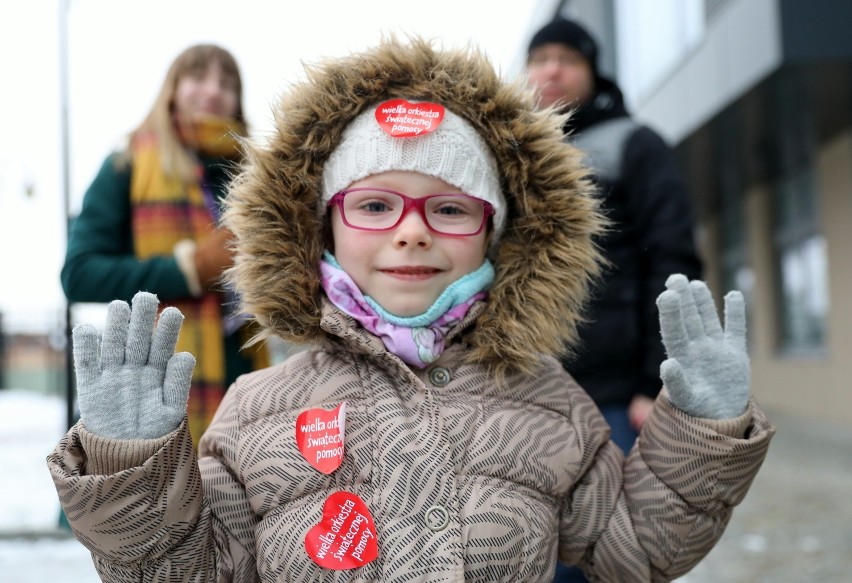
(795, 524)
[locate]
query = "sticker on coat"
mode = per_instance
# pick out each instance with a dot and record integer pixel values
(345, 537)
(320, 436)
(402, 119)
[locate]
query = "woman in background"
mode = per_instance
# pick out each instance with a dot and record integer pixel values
(149, 221)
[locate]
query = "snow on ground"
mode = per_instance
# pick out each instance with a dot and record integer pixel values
(45, 560)
(30, 425)
(32, 547)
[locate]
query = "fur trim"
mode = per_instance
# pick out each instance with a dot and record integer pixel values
(545, 260)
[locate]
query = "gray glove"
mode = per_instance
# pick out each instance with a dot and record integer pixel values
(138, 389)
(707, 373)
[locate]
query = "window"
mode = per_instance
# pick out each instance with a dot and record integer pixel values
(653, 37)
(712, 8)
(801, 265)
(736, 274)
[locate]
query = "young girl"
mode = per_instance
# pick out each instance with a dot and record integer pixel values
(413, 219)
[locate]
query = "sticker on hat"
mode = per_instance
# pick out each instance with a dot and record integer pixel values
(402, 119)
(319, 436)
(345, 537)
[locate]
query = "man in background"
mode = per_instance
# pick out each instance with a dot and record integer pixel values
(642, 193)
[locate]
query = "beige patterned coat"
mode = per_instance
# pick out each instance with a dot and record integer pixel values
(495, 435)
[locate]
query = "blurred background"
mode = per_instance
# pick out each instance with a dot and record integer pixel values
(755, 96)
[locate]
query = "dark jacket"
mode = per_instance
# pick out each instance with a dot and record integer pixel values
(651, 237)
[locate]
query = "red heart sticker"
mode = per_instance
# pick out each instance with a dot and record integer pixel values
(345, 538)
(319, 435)
(402, 119)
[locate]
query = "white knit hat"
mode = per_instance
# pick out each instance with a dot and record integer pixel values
(453, 152)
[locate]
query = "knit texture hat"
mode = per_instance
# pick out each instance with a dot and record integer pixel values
(453, 151)
(570, 34)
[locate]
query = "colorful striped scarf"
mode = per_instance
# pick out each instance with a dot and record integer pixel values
(166, 210)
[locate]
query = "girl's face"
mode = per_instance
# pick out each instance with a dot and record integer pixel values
(406, 268)
(208, 92)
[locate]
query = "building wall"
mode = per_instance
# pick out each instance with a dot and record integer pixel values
(789, 93)
(787, 116)
(741, 46)
(819, 385)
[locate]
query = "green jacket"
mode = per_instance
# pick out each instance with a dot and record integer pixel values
(100, 262)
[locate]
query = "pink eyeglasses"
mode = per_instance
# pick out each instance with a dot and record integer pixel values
(379, 209)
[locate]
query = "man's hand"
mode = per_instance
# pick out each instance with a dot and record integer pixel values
(136, 388)
(639, 409)
(707, 373)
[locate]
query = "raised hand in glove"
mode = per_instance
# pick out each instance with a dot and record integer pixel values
(137, 387)
(707, 373)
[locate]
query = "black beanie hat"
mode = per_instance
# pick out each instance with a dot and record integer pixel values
(570, 34)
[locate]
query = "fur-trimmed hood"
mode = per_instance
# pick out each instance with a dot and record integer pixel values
(544, 261)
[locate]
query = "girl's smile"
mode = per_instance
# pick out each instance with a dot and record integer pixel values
(412, 272)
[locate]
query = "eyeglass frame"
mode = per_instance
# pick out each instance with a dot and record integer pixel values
(409, 203)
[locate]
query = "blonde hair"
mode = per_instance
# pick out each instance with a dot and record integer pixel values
(176, 161)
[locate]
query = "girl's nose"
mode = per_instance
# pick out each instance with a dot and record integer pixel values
(412, 230)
